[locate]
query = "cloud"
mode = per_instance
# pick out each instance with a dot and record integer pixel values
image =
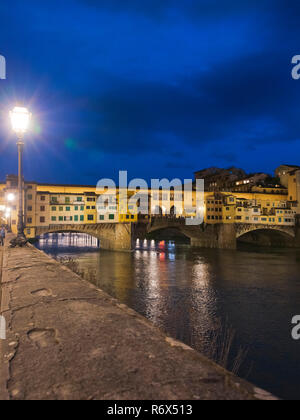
(246, 100)
(199, 9)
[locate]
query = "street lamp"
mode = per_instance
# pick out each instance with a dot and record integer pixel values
(10, 197)
(20, 120)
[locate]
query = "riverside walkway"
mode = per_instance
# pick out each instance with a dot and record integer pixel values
(67, 340)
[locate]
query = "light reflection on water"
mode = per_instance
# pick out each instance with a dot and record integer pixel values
(186, 291)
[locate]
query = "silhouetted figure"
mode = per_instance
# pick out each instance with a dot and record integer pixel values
(2, 236)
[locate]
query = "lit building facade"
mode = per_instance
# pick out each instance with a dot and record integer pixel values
(46, 205)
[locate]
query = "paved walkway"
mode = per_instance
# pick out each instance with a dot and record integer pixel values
(68, 340)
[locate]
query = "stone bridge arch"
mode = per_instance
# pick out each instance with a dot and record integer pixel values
(112, 236)
(243, 229)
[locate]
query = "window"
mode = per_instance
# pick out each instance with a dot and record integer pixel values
(29, 220)
(67, 200)
(42, 219)
(68, 208)
(29, 208)
(90, 217)
(82, 218)
(88, 207)
(81, 208)
(43, 208)
(53, 208)
(79, 198)
(53, 219)
(132, 217)
(29, 196)
(76, 218)
(101, 217)
(61, 209)
(76, 208)
(93, 207)
(61, 219)
(91, 199)
(43, 198)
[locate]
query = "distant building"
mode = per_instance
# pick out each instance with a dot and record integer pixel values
(282, 172)
(229, 180)
(218, 179)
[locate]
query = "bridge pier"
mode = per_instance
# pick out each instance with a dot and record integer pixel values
(220, 236)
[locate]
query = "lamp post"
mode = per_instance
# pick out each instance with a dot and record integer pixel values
(20, 119)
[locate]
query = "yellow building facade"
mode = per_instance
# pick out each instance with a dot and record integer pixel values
(46, 205)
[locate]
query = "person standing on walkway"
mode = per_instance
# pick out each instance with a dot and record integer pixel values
(2, 236)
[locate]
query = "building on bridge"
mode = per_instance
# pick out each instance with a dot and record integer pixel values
(48, 205)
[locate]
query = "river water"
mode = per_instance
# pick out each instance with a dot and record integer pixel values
(200, 296)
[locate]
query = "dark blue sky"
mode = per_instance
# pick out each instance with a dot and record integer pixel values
(160, 88)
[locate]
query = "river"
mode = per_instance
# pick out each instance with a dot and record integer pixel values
(202, 296)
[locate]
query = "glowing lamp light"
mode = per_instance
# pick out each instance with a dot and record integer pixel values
(20, 119)
(10, 197)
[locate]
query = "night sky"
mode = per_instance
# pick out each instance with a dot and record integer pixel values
(160, 88)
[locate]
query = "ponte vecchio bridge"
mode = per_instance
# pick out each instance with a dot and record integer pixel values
(123, 236)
